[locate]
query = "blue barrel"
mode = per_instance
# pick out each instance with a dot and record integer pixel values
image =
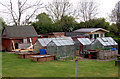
(42, 51)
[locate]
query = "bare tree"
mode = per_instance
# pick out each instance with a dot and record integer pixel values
(21, 11)
(87, 10)
(58, 9)
(115, 16)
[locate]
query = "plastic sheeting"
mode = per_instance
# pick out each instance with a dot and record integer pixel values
(60, 41)
(84, 41)
(61, 48)
(107, 41)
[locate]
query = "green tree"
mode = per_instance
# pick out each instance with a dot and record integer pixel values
(66, 24)
(2, 24)
(44, 24)
(95, 23)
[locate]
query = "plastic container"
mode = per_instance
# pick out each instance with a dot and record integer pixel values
(42, 51)
(113, 49)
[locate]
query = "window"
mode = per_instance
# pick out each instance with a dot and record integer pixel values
(91, 36)
(101, 35)
(95, 36)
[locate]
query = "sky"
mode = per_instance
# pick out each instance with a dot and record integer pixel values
(105, 7)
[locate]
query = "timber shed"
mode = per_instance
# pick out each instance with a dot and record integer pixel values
(18, 37)
(93, 33)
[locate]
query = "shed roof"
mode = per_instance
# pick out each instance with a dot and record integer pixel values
(83, 30)
(107, 41)
(19, 31)
(60, 41)
(84, 41)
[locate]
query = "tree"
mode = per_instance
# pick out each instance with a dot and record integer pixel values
(115, 16)
(2, 23)
(58, 8)
(20, 11)
(44, 24)
(87, 10)
(67, 23)
(95, 23)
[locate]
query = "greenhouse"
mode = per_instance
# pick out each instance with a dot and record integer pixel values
(62, 48)
(43, 42)
(82, 44)
(104, 43)
(107, 47)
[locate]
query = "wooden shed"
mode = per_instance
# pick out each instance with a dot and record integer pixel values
(18, 37)
(93, 33)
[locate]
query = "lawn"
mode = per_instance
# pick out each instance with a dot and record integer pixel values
(12, 66)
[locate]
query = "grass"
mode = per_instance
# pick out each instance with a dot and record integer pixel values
(12, 66)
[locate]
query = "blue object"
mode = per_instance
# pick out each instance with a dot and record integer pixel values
(42, 51)
(113, 49)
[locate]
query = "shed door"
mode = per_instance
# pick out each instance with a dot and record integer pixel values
(81, 47)
(25, 40)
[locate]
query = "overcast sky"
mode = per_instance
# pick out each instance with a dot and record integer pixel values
(105, 7)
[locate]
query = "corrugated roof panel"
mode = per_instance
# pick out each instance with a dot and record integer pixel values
(56, 42)
(108, 44)
(107, 41)
(60, 41)
(88, 41)
(65, 42)
(104, 44)
(104, 39)
(84, 41)
(42, 42)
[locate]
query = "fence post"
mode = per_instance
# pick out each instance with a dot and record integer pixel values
(76, 69)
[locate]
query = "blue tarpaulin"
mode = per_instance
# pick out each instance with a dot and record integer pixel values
(113, 49)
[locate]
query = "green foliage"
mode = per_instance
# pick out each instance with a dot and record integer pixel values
(93, 23)
(79, 25)
(66, 24)
(113, 29)
(44, 24)
(2, 24)
(97, 23)
(100, 23)
(44, 18)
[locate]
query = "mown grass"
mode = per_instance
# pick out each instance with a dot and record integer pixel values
(12, 66)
